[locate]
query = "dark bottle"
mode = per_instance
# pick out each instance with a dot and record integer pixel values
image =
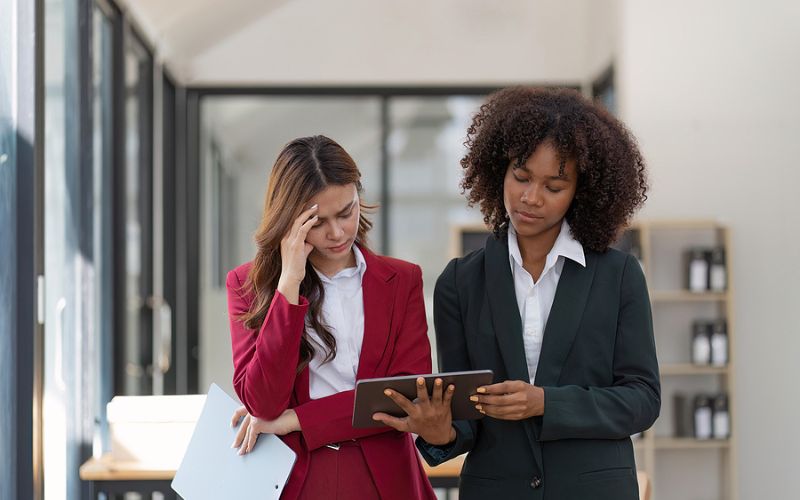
(682, 413)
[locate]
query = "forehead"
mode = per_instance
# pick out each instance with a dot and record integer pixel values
(334, 198)
(545, 162)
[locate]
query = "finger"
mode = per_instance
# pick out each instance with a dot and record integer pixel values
(306, 227)
(501, 412)
(400, 424)
(237, 442)
(422, 390)
(243, 447)
(237, 416)
(501, 388)
(401, 401)
(302, 218)
(251, 439)
(448, 395)
(437, 391)
(502, 400)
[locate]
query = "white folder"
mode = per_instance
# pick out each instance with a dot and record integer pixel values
(211, 469)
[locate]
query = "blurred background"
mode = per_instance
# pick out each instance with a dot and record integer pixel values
(137, 137)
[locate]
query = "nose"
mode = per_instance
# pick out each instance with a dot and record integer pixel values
(336, 232)
(532, 196)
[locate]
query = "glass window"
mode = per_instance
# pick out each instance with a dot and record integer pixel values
(138, 341)
(102, 268)
(426, 137)
(8, 281)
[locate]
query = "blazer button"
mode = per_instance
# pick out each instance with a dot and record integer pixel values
(536, 482)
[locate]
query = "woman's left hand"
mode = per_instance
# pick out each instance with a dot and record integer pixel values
(510, 400)
(253, 426)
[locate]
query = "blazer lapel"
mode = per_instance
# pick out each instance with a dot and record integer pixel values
(505, 312)
(565, 318)
(378, 287)
(507, 322)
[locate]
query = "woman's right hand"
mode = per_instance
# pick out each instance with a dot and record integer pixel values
(429, 417)
(294, 254)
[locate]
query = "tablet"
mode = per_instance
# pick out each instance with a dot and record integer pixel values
(371, 399)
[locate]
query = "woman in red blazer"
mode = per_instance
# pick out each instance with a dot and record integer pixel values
(312, 313)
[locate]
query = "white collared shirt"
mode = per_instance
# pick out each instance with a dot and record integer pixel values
(535, 299)
(343, 313)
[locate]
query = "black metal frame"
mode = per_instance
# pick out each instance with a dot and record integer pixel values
(26, 333)
(169, 172)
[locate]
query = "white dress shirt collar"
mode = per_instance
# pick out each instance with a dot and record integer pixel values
(348, 272)
(565, 246)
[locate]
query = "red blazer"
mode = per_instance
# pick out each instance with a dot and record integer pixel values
(395, 343)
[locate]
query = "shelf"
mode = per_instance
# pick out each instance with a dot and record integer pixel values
(686, 296)
(677, 224)
(663, 443)
(690, 369)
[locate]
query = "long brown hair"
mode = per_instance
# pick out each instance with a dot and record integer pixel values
(304, 167)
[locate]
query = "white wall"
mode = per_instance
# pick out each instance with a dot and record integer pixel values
(402, 42)
(711, 90)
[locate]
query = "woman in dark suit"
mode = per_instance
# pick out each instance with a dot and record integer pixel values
(563, 320)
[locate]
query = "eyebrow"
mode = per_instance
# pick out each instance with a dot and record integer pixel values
(564, 177)
(345, 209)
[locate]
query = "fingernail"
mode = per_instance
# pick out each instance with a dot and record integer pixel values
(481, 389)
(314, 205)
(479, 407)
(451, 388)
(387, 392)
(438, 382)
(482, 412)
(473, 398)
(420, 381)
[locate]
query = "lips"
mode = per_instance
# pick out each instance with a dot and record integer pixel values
(528, 216)
(339, 248)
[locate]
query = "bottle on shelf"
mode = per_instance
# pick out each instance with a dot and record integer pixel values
(682, 414)
(702, 417)
(717, 274)
(719, 343)
(697, 270)
(722, 419)
(701, 343)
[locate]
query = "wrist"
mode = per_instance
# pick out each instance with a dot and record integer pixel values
(295, 421)
(443, 439)
(290, 289)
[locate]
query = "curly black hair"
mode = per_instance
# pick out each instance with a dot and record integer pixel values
(612, 180)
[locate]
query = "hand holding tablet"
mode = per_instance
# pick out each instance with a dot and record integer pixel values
(382, 396)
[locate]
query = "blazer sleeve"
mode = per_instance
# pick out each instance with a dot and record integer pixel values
(632, 403)
(265, 361)
(453, 356)
(330, 419)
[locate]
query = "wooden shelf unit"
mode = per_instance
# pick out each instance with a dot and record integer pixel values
(668, 461)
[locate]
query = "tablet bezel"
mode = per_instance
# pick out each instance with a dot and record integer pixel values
(370, 399)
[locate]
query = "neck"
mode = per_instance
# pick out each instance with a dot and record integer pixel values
(330, 267)
(534, 249)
